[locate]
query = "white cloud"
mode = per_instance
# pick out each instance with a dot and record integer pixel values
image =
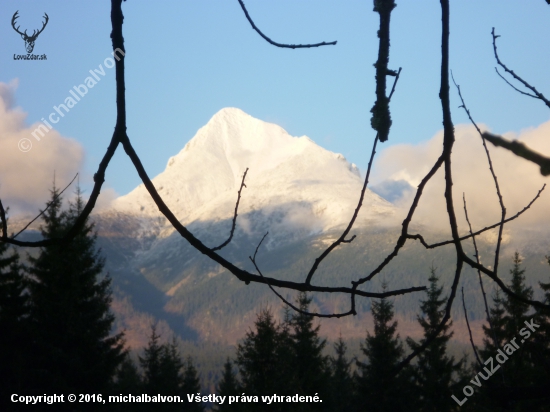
(26, 177)
(519, 179)
(105, 199)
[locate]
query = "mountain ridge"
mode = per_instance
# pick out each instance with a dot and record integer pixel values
(299, 192)
(287, 175)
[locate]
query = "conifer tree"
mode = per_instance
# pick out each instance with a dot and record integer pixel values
(70, 308)
(228, 386)
(525, 363)
(166, 374)
(508, 317)
(311, 367)
(539, 345)
(437, 375)
(15, 339)
(378, 389)
(127, 382)
(286, 354)
(515, 309)
(495, 336)
(264, 359)
(171, 365)
(191, 385)
(542, 337)
(341, 382)
(151, 363)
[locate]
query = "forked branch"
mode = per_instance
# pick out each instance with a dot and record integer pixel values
(421, 239)
(342, 238)
(353, 292)
(536, 94)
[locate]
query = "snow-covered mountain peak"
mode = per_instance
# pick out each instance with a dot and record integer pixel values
(238, 139)
(299, 181)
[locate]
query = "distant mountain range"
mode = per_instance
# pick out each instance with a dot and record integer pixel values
(293, 187)
(301, 194)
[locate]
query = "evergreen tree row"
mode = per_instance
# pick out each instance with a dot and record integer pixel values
(55, 337)
(163, 372)
(284, 359)
(55, 319)
(287, 358)
(517, 339)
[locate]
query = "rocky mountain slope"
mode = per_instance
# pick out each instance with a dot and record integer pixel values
(299, 192)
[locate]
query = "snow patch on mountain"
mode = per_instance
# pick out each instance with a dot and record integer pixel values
(292, 182)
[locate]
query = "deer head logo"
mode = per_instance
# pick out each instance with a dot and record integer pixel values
(29, 40)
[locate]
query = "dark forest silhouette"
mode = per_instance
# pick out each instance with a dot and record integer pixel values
(57, 309)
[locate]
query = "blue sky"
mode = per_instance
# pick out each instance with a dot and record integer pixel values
(188, 59)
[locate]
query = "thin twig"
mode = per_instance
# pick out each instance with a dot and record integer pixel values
(479, 272)
(495, 179)
(448, 141)
(394, 83)
(470, 331)
(47, 207)
(538, 95)
(224, 244)
(405, 225)
(502, 285)
(352, 311)
(313, 314)
(342, 238)
(420, 238)
(288, 46)
(514, 87)
(489, 320)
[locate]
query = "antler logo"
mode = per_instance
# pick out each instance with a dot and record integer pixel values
(29, 40)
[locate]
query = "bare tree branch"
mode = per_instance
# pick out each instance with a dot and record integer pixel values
(420, 238)
(320, 315)
(514, 87)
(479, 272)
(288, 46)
(120, 137)
(537, 95)
(495, 180)
(342, 237)
(448, 141)
(224, 244)
(489, 321)
(470, 331)
(381, 118)
(404, 231)
(521, 150)
(353, 292)
(501, 284)
(47, 207)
